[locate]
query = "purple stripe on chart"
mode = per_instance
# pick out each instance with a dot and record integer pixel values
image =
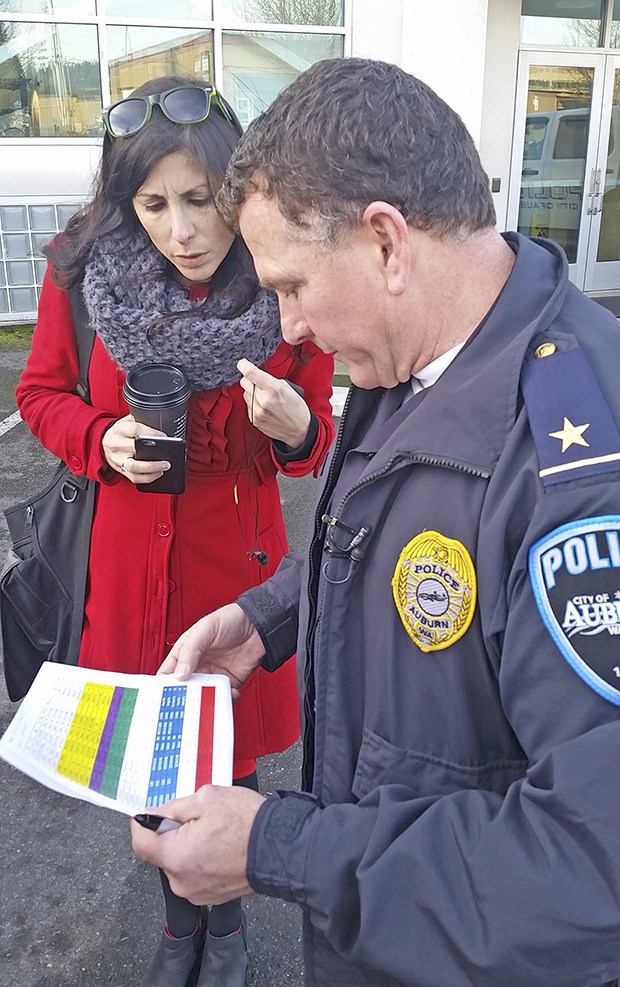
(106, 739)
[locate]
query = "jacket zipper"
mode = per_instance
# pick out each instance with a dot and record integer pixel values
(307, 772)
(426, 459)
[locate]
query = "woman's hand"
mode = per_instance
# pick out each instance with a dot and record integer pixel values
(274, 406)
(119, 451)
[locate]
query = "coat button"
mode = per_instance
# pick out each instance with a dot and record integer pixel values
(75, 464)
(163, 530)
(171, 638)
(171, 585)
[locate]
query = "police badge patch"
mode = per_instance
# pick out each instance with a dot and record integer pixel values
(575, 575)
(434, 587)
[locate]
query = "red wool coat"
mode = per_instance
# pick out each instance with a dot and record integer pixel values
(158, 562)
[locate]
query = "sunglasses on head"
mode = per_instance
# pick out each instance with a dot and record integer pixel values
(184, 104)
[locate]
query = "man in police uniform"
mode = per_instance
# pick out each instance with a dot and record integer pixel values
(457, 619)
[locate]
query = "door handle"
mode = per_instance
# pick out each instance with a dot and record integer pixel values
(597, 183)
(529, 171)
(592, 182)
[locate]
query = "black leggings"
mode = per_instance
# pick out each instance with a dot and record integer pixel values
(182, 917)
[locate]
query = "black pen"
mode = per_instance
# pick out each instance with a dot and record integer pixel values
(161, 824)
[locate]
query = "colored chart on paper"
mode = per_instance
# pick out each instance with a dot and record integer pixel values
(126, 741)
(95, 750)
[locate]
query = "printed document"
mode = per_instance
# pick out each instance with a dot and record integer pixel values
(126, 742)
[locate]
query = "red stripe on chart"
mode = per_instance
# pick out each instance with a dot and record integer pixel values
(204, 760)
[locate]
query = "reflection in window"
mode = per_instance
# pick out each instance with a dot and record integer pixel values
(141, 53)
(180, 9)
(535, 129)
(80, 8)
(614, 40)
(49, 80)
(554, 153)
(571, 141)
(327, 13)
(257, 66)
(544, 22)
(609, 234)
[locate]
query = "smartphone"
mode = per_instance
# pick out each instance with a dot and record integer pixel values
(159, 447)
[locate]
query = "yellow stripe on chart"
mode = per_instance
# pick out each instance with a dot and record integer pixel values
(82, 743)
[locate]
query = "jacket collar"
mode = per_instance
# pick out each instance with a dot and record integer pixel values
(468, 414)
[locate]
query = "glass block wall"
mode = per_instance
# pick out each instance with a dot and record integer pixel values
(24, 230)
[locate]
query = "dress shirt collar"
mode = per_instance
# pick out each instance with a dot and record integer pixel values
(431, 373)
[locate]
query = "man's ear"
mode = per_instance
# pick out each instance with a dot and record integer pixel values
(391, 236)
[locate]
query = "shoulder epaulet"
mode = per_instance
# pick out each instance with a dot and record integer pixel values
(573, 428)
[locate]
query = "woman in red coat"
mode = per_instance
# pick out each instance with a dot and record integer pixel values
(165, 281)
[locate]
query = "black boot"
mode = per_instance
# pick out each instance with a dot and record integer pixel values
(225, 960)
(174, 960)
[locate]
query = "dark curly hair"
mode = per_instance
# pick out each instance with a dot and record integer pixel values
(124, 166)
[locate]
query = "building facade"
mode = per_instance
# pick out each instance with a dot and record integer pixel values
(536, 81)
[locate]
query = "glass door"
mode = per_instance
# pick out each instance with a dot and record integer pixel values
(603, 259)
(554, 190)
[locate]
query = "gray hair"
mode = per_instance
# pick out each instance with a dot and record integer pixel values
(352, 131)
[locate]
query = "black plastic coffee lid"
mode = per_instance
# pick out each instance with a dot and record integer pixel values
(152, 381)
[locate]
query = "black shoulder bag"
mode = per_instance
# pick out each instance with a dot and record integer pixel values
(43, 581)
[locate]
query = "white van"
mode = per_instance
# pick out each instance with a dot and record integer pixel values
(553, 173)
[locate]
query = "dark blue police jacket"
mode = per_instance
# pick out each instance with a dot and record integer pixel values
(459, 651)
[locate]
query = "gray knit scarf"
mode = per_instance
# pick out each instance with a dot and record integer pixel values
(126, 290)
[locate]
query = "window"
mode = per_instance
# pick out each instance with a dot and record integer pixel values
(49, 80)
(62, 60)
(77, 7)
(557, 22)
(51, 70)
(614, 40)
(572, 137)
(257, 66)
(181, 9)
(137, 54)
(535, 130)
(327, 13)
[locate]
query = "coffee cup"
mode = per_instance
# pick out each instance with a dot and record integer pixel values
(157, 395)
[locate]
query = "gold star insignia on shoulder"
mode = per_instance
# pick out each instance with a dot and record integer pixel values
(570, 435)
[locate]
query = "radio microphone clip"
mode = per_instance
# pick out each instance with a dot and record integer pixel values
(261, 557)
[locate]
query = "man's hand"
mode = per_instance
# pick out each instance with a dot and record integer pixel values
(224, 642)
(274, 406)
(206, 859)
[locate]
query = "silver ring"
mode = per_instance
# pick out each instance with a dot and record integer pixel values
(123, 463)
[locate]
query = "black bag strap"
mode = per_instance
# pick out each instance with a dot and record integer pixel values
(85, 339)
